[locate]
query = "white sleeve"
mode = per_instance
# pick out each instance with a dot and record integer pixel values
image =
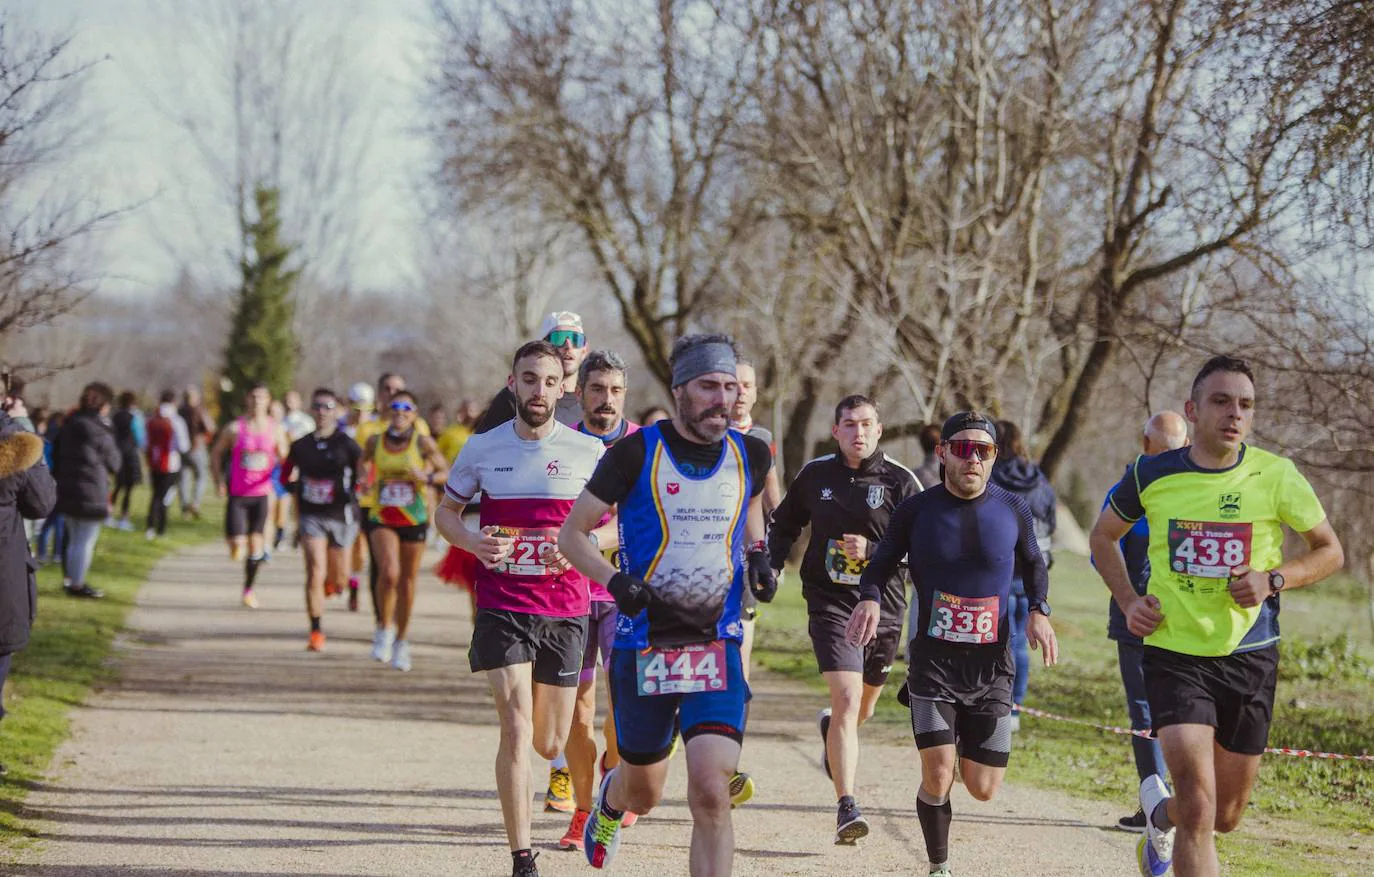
(464, 481)
(181, 434)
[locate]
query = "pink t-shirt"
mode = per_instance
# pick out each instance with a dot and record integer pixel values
(598, 590)
(253, 459)
(528, 488)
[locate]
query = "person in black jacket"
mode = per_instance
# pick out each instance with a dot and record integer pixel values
(83, 457)
(847, 498)
(26, 491)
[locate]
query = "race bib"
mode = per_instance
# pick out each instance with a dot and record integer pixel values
(681, 669)
(1207, 549)
(535, 553)
(255, 461)
(958, 619)
(317, 491)
(396, 494)
(842, 570)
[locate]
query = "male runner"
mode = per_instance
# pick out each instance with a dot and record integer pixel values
(562, 329)
(326, 461)
(1164, 431)
(601, 385)
(847, 498)
(531, 626)
(962, 540)
(1216, 512)
(258, 444)
(688, 494)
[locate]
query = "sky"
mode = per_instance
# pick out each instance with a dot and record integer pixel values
(137, 157)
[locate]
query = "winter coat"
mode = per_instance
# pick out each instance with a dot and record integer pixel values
(84, 456)
(27, 490)
(1023, 477)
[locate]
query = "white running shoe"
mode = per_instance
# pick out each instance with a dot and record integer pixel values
(400, 655)
(1155, 851)
(383, 641)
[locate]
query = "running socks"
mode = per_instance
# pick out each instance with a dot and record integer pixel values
(1160, 817)
(610, 812)
(559, 763)
(314, 624)
(935, 815)
(250, 570)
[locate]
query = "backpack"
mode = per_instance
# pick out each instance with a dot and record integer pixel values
(163, 456)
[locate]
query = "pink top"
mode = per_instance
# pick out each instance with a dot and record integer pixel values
(598, 591)
(253, 459)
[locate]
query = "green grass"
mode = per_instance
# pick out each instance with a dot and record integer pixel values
(1325, 702)
(67, 652)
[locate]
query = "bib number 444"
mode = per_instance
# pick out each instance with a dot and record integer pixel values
(681, 669)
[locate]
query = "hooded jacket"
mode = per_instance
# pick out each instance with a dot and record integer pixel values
(26, 491)
(83, 457)
(1023, 477)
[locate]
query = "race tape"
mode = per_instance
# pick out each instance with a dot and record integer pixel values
(1129, 732)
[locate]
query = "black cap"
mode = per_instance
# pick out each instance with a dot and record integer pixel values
(968, 420)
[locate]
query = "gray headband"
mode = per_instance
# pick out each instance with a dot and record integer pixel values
(704, 359)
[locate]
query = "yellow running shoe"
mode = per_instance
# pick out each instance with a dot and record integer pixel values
(559, 799)
(741, 789)
(250, 599)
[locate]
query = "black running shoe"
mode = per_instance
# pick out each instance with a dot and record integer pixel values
(84, 591)
(823, 722)
(1134, 823)
(527, 868)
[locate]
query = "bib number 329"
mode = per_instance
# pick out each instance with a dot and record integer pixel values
(681, 669)
(957, 619)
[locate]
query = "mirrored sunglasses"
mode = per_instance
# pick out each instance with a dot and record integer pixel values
(966, 448)
(559, 337)
(402, 406)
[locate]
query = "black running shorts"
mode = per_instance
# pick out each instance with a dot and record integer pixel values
(826, 621)
(1232, 693)
(963, 699)
(555, 646)
(245, 515)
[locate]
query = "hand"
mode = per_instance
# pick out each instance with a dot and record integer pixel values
(1040, 635)
(492, 548)
(1143, 615)
(855, 547)
(758, 573)
(1248, 587)
(863, 623)
(631, 595)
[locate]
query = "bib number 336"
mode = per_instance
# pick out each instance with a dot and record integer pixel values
(681, 669)
(957, 619)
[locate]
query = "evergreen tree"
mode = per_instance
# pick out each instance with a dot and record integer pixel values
(262, 343)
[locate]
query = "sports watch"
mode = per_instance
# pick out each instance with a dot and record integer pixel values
(1275, 581)
(1041, 606)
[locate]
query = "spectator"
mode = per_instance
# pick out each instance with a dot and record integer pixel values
(129, 438)
(298, 424)
(168, 441)
(85, 455)
(52, 532)
(195, 466)
(1014, 471)
(14, 402)
(26, 491)
(653, 414)
(928, 473)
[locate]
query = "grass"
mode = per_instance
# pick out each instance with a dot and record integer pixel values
(1325, 702)
(67, 653)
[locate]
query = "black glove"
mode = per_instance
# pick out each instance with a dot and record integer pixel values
(631, 594)
(758, 573)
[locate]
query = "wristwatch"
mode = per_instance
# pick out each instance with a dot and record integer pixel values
(1041, 606)
(1276, 582)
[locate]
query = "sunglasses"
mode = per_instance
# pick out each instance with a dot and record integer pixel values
(966, 448)
(322, 406)
(402, 406)
(559, 337)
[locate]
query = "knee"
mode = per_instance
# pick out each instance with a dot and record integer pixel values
(866, 710)
(549, 747)
(846, 703)
(1197, 809)
(641, 798)
(980, 790)
(517, 730)
(709, 799)
(938, 781)
(1228, 819)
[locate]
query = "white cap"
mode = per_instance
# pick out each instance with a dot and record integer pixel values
(560, 320)
(361, 395)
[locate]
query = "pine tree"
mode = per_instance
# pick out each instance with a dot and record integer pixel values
(262, 343)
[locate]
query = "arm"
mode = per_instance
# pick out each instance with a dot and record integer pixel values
(438, 466)
(1249, 587)
(501, 409)
(223, 442)
(772, 492)
(182, 433)
(896, 543)
(573, 543)
(283, 443)
(1142, 612)
(1039, 632)
(789, 517)
(483, 544)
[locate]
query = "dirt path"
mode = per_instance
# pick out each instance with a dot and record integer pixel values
(227, 749)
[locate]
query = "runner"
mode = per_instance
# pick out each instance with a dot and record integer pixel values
(531, 628)
(1165, 431)
(563, 330)
(326, 463)
(847, 498)
(1216, 512)
(360, 410)
(195, 466)
(962, 540)
(404, 463)
(169, 441)
(257, 443)
(679, 590)
(601, 386)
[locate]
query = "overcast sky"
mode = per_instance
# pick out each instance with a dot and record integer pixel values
(140, 157)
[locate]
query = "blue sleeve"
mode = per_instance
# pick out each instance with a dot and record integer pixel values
(140, 431)
(1036, 575)
(892, 550)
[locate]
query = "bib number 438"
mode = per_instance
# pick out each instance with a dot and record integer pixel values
(681, 669)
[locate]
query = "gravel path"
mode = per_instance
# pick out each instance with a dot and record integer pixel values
(226, 749)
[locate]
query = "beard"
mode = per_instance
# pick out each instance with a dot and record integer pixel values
(535, 418)
(602, 419)
(694, 423)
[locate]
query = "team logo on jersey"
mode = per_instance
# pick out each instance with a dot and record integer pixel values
(673, 488)
(552, 468)
(728, 490)
(827, 494)
(1229, 505)
(875, 496)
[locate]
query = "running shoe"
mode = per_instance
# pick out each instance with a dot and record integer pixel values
(942, 871)
(400, 656)
(383, 642)
(823, 721)
(558, 798)
(332, 589)
(83, 591)
(316, 643)
(150, 534)
(600, 833)
(250, 599)
(353, 594)
(527, 868)
(1135, 823)
(850, 825)
(741, 789)
(572, 838)
(1155, 851)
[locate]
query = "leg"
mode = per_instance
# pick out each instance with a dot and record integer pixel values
(711, 761)
(374, 580)
(81, 539)
(1189, 751)
(746, 646)
(386, 554)
(842, 741)
(581, 745)
(1149, 758)
(868, 702)
(316, 550)
(553, 715)
(336, 565)
(1235, 778)
(981, 780)
(511, 689)
(1018, 614)
(933, 809)
(412, 554)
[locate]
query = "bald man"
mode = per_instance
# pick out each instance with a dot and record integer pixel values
(1164, 431)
